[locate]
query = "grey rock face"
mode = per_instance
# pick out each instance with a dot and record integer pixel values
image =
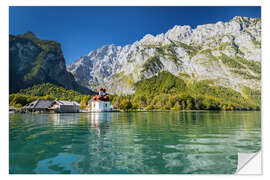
(208, 52)
(34, 61)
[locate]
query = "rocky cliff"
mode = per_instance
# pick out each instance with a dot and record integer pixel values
(34, 61)
(226, 53)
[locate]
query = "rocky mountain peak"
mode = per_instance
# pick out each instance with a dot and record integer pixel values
(33, 61)
(227, 53)
(29, 34)
(179, 33)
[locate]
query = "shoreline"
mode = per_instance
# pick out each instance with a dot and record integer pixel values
(125, 111)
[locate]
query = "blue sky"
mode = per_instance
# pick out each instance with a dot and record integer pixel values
(82, 29)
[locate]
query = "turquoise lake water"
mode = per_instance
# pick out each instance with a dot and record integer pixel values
(132, 142)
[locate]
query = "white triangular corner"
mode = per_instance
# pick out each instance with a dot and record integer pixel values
(249, 163)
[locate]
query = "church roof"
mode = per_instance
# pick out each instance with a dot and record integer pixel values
(102, 89)
(100, 98)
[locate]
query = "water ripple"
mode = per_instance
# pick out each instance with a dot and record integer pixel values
(147, 142)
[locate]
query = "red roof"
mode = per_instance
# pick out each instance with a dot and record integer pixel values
(100, 98)
(102, 89)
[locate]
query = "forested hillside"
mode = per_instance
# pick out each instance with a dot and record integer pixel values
(34, 61)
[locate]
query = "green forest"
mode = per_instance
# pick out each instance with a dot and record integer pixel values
(161, 92)
(47, 91)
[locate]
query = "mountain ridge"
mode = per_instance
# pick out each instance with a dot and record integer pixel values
(228, 52)
(35, 61)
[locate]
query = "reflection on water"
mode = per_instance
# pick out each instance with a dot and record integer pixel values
(146, 142)
(99, 121)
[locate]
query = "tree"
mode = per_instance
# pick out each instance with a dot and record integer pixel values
(183, 104)
(135, 106)
(140, 100)
(117, 102)
(149, 107)
(125, 104)
(19, 100)
(189, 104)
(177, 106)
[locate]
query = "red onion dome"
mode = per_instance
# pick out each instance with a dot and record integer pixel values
(100, 98)
(102, 89)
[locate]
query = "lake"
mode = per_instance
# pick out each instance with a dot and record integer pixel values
(131, 142)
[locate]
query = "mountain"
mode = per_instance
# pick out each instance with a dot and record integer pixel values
(226, 53)
(34, 61)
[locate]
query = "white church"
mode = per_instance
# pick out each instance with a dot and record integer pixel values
(100, 102)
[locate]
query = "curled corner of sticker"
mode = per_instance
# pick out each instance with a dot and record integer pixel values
(249, 163)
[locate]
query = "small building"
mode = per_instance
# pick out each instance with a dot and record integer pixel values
(39, 105)
(65, 106)
(100, 102)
